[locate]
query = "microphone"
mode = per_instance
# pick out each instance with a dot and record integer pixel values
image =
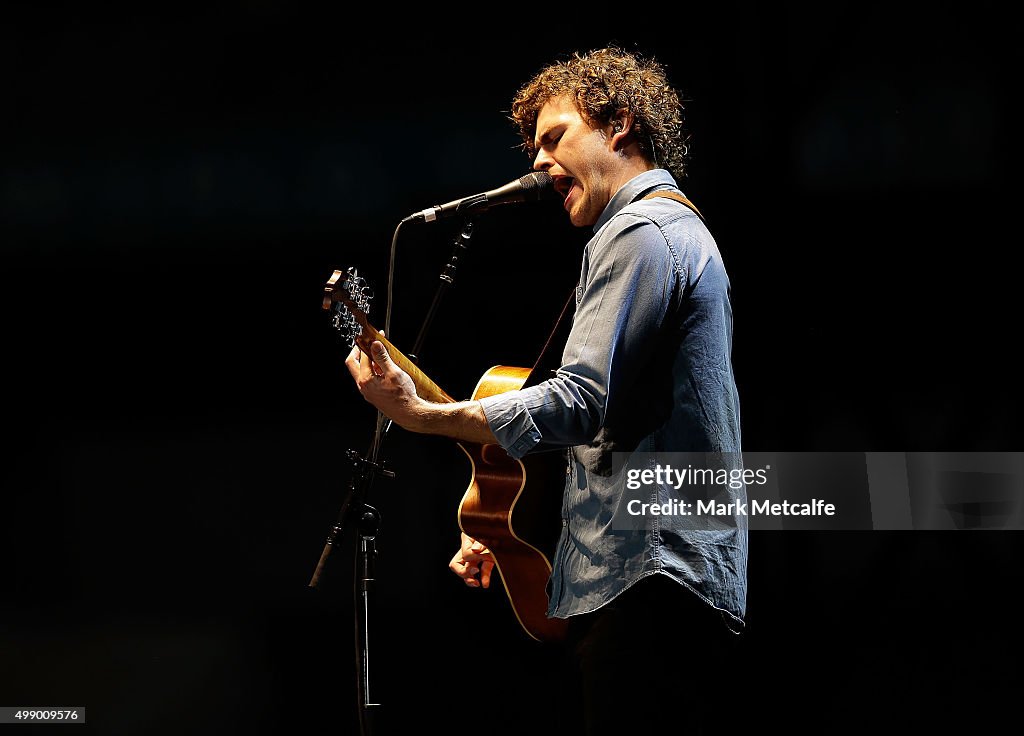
(527, 188)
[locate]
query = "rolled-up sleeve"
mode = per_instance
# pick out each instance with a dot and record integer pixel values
(628, 276)
(510, 421)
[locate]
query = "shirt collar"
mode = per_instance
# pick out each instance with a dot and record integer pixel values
(632, 190)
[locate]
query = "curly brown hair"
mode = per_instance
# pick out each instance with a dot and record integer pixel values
(604, 82)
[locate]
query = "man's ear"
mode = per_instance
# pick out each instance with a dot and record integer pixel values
(621, 130)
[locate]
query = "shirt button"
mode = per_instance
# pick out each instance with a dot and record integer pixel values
(565, 523)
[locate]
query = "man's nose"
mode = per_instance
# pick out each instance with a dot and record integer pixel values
(543, 161)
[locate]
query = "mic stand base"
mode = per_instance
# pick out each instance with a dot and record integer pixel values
(367, 523)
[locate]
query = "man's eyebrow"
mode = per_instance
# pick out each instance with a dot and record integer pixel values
(546, 136)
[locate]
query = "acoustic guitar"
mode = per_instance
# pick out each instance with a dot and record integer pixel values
(512, 506)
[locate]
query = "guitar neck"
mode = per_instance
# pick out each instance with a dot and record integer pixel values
(425, 388)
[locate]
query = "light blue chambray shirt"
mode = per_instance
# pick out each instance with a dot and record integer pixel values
(647, 368)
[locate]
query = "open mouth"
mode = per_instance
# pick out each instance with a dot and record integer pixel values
(563, 185)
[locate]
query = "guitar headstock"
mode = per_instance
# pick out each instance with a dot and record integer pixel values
(347, 296)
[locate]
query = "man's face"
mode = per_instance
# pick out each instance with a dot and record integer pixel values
(580, 159)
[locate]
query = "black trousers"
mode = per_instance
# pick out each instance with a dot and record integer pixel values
(655, 657)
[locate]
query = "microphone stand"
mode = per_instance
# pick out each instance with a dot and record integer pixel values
(367, 521)
(446, 280)
(363, 472)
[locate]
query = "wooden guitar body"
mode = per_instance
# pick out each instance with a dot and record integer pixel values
(513, 507)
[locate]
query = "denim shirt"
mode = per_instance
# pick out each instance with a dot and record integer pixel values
(647, 368)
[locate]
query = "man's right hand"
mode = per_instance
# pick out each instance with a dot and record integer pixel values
(473, 563)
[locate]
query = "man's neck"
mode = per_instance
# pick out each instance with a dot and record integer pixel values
(632, 168)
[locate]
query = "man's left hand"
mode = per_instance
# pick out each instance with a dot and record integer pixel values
(385, 385)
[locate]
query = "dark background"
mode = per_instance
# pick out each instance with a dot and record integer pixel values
(176, 190)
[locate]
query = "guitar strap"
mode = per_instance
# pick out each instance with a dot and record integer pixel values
(548, 360)
(678, 198)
